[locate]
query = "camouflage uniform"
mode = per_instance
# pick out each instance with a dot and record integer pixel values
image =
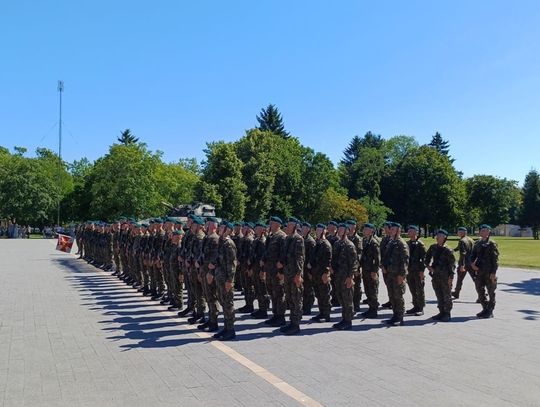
(256, 256)
(209, 255)
(415, 275)
(309, 289)
(485, 256)
(196, 284)
(320, 261)
(334, 296)
(344, 265)
(357, 293)
(272, 253)
(174, 267)
(370, 262)
(247, 280)
(397, 261)
(224, 272)
(465, 248)
(187, 243)
(442, 259)
(384, 245)
(292, 258)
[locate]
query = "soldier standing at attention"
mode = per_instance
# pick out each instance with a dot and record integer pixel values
(415, 275)
(344, 267)
(309, 246)
(237, 237)
(485, 261)
(396, 263)
(224, 272)
(291, 265)
(274, 278)
(465, 248)
(370, 262)
(256, 267)
(357, 241)
(319, 269)
(384, 244)
(244, 267)
(196, 282)
(441, 261)
(331, 235)
(206, 263)
(185, 267)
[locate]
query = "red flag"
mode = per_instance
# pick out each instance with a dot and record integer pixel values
(64, 243)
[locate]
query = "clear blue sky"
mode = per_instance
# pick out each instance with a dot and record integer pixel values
(181, 73)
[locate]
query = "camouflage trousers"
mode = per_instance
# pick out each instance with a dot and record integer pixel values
(187, 284)
(357, 294)
(461, 276)
(322, 292)
(199, 303)
(345, 298)
(483, 284)
(294, 296)
(388, 285)
(249, 284)
(277, 292)
(158, 284)
(397, 291)
(442, 290)
(309, 292)
(261, 291)
(226, 300)
(174, 287)
(371, 288)
(211, 297)
(416, 286)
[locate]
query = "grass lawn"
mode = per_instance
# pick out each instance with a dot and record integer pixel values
(514, 251)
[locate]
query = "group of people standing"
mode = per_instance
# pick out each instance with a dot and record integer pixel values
(287, 265)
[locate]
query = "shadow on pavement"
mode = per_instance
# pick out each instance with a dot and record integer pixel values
(530, 315)
(531, 287)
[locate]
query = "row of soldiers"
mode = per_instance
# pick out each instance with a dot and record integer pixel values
(287, 265)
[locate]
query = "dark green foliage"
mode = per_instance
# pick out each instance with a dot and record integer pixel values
(270, 120)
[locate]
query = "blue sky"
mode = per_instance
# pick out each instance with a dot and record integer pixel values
(181, 73)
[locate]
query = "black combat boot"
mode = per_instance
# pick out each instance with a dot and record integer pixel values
(437, 317)
(344, 326)
(213, 327)
(391, 321)
(446, 317)
(203, 326)
(387, 305)
(482, 313)
(219, 334)
(271, 320)
(279, 321)
(411, 311)
(338, 325)
(196, 318)
(184, 312)
(365, 301)
(284, 328)
(228, 335)
(455, 294)
(245, 309)
(419, 312)
(371, 313)
(321, 318)
(259, 314)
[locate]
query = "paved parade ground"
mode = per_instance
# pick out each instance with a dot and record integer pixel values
(72, 335)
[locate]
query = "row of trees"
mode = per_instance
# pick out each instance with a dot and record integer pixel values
(268, 171)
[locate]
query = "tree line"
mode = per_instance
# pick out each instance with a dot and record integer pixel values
(268, 171)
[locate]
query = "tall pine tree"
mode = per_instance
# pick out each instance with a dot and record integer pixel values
(126, 138)
(439, 144)
(270, 120)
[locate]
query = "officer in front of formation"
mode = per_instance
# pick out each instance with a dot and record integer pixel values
(485, 262)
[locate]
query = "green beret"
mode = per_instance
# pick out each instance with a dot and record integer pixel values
(396, 225)
(198, 220)
(306, 224)
(333, 222)
(260, 224)
(250, 225)
(144, 224)
(212, 219)
(369, 225)
(442, 232)
(388, 224)
(178, 222)
(229, 225)
(292, 219)
(321, 226)
(414, 227)
(342, 225)
(462, 229)
(484, 226)
(178, 232)
(276, 219)
(351, 222)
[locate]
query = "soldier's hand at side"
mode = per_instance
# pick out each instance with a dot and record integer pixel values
(450, 281)
(374, 276)
(430, 269)
(211, 266)
(298, 280)
(197, 264)
(309, 266)
(180, 278)
(279, 265)
(400, 280)
(348, 282)
(261, 263)
(250, 273)
(474, 266)
(421, 274)
(209, 278)
(280, 276)
(462, 269)
(493, 278)
(262, 275)
(228, 286)
(324, 278)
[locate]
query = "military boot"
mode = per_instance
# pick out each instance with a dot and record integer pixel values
(259, 314)
(371, 313)
(228, 335)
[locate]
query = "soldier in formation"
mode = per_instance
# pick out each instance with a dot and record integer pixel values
(193, 268)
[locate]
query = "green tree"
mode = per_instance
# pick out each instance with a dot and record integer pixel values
(425, 189)
(492, 198)
(530, 211)
(123, 183)
(270, 120)
(377, 212)
(439, 144)
(223, 169)
(174, 183)
(396, 148)
(336, 206)
(126, 138)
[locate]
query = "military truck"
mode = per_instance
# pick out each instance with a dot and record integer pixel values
(182, 211)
